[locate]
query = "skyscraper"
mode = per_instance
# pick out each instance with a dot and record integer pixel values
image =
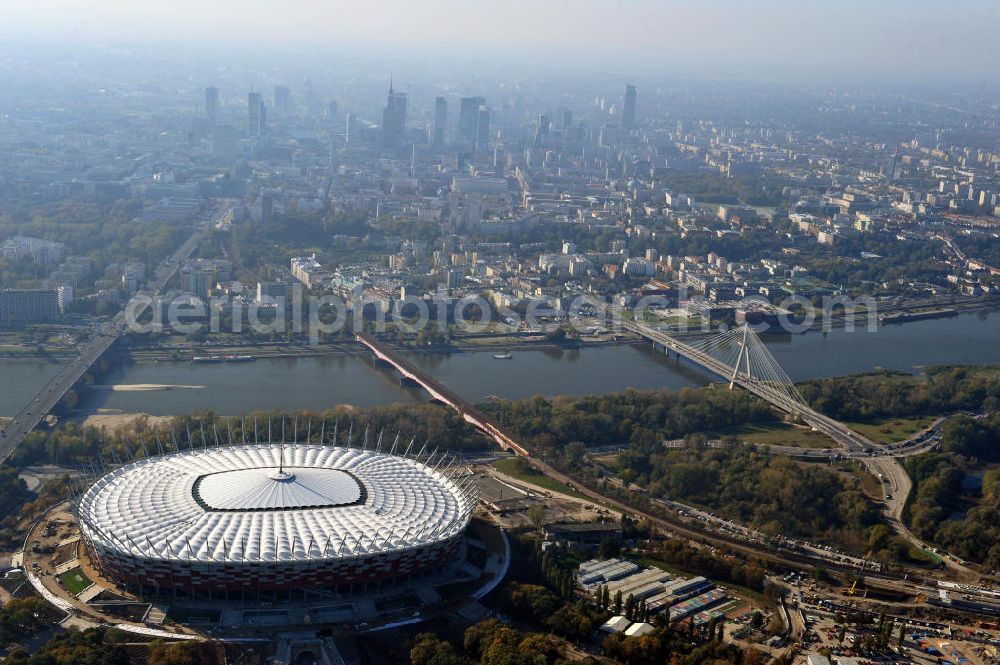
(483, 129)
(565, 118)
(468, 120)
(351, 129)
(440, 121)
(542, 131)
(282, 98)
(628, 108)
(212, 105)
(254, 106)
(394, 119)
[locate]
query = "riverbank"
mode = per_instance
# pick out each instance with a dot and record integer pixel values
(480, 343)
(109, 422)
(316, 377)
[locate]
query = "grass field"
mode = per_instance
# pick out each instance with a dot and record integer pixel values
(609, 460)
(870, 484)
(509, 466)
(776, 433)
(74, 580)
(891, 430)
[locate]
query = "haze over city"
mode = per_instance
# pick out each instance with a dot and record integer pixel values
(896, 40)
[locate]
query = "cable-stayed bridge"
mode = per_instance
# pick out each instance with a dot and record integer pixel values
(739, 357)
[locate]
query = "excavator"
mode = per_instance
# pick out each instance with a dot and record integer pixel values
(854, 591)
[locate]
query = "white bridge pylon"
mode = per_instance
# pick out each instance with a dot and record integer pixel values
(741, 350)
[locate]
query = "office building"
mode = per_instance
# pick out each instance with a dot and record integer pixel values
(20, 306)
(483, 129)
(272, 293)
(255, 115)
(42, 252)
(196, 281)
(468, 120)
(440, 121)
(225, 143)
(351, 128)
(542, 131)
(212, 105)
(565, 117)
(282, 99)
(628, 108)
(64, 297)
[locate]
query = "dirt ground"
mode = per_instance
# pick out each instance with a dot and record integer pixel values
(112, 421)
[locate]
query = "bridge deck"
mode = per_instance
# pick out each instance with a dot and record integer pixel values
(832, 428)
(442, 393)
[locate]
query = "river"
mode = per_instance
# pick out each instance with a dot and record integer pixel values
(319, 382)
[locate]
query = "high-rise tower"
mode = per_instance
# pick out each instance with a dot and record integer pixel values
(628, 108)
(468, 120)
(255, 107)
(483, 129)
(440, 121)
(394, 119)
(282, 98)
(212, 105)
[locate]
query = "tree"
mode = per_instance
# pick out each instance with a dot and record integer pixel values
(431, 650)
(618, 601)
(609, 548)
(478, 636)
(570, 621)
(536, 514)
(502, 648)
(177, 653)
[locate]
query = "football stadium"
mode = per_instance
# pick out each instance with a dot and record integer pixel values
(232, 521)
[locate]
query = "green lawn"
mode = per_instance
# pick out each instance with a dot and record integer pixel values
(869, 483)
(74, 580)
(891, 430)
(776, 433)
(609, 460)
(509, 466)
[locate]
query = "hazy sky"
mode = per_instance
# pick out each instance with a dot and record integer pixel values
(843, 38)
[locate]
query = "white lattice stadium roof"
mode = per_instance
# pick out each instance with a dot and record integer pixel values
(272, 503)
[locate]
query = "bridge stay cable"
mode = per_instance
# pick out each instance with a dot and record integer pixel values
(748, 362)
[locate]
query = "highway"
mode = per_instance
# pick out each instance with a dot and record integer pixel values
(106, 334)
